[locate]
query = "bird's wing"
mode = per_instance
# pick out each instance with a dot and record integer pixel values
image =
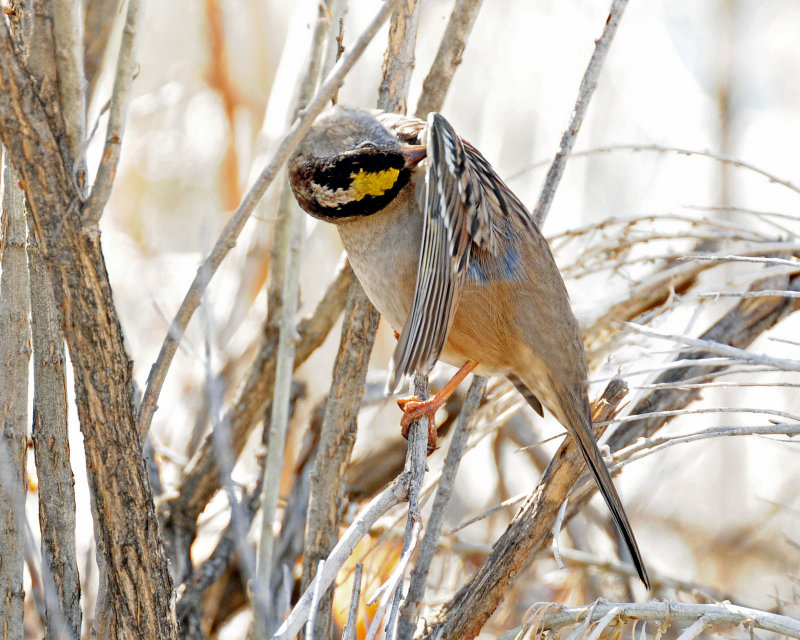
(465, 208)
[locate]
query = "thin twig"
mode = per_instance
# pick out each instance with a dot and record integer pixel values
(120, 97)
(724, 614)
(312, 615)
(398, 60)
(585, 92)
(393, 495)
(709, 346)
(444, 490)
(284, 291)
(71, 81)
(233, 228)
(349, 632)
(728, 160)
(650, 446)
(415, 466)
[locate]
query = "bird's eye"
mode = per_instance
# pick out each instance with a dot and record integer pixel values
(367, 145)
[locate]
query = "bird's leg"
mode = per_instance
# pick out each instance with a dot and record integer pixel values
(414, 408)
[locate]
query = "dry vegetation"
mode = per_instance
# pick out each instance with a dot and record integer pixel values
(202, 476)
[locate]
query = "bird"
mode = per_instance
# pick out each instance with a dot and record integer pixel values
(444, 249)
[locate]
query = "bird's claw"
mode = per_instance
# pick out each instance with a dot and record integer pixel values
(413, 409)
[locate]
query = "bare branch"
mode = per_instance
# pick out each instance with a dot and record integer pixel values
(728, 160)
(393, 495)
(99, 16)
(120, 97)
(14, 356)
(201, 477)
(548, 616)
(398, 60)
(69, 60)
(448, 57)
(430, 543)
(137, 570)
(709, 346)
(337, 436)
(349, 632)
(585, 92)
(51, 448)
(284, 290)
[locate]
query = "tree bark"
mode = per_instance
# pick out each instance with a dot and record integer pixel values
(138, 583)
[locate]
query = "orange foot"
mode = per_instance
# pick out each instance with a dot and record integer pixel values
(413, 409)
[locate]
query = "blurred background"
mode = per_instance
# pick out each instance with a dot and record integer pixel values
(212, 98)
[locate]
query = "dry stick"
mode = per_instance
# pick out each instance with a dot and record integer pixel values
(120, 97)
(14, 356)
(284, 291)
(233, 228)
(337, 436)
(349, 632)
(393, 495)
(430, 543)
(201, 478)
(398, 60)
(69, 60)
(654, 445)
(416, 456)
(709, 346)
(51, 448)
(555, 617)
(588, 85)
(448, 57)
(727, 160)
(98, 22)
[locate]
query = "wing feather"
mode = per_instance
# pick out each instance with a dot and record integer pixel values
(465, 207)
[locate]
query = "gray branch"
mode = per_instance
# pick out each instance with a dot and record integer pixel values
(14, 357)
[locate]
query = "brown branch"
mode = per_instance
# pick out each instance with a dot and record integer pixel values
(337, 437)
(117, 112)
(14, 356)
(201, 478)
(138, 582)
(51, 449)
(448, 57)
(430, 543)
(398, 60)
(98, 22)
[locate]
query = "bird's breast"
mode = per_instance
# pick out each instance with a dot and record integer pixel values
(383, 249)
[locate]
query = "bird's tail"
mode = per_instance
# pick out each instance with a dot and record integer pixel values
(577, 418)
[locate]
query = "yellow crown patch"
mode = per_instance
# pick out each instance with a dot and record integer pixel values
(372, 183)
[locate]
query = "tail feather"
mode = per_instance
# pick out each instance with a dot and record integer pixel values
(580, 428)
